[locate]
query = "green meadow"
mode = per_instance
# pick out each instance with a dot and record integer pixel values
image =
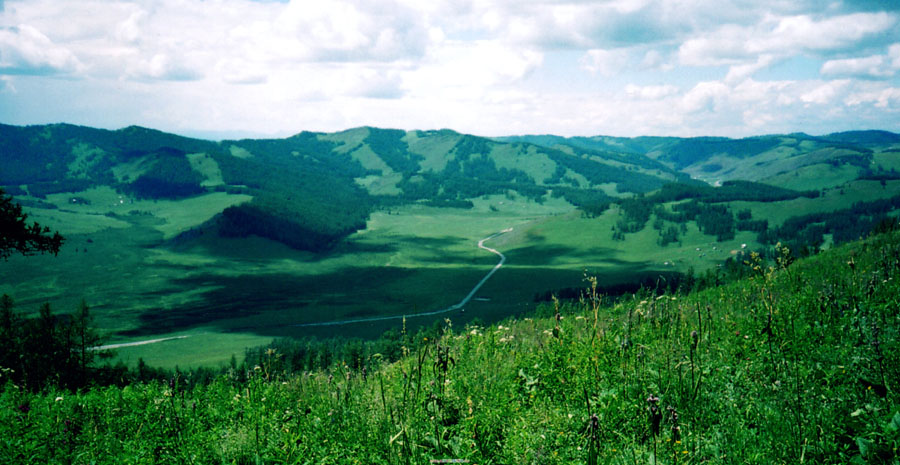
(145, 281)
(798, 362)
(145, 218)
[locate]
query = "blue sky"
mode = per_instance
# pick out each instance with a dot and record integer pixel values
(229, 68)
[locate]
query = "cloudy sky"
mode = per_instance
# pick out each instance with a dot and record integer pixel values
(227, 68)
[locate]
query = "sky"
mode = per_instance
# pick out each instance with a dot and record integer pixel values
(242, 68)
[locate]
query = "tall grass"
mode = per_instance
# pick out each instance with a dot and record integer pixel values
(798, 364)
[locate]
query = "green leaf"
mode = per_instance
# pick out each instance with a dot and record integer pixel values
(864, 445)
(894, 425)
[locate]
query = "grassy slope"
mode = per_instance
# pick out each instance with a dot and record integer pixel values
(143, 283)
(420, 258)
(410, 259)
(832, 199)
(796, 364)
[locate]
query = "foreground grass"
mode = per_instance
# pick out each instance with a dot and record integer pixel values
(798, 364)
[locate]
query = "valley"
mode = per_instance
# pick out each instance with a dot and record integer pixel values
(212, 247)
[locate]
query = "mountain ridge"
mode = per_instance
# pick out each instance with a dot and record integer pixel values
(326, 185)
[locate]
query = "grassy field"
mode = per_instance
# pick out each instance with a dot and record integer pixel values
(143, 281)
(227, 293)
(813, 177)
(797, 363)
(835, 198)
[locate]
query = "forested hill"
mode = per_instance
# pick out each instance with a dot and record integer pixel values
(312, 189)
(754, 158)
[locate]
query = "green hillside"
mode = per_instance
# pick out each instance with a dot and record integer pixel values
(772, 159)
(797, 362)
(227, 244)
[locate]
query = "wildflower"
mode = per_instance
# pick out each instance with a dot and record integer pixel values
(655, 414)
(676, 430)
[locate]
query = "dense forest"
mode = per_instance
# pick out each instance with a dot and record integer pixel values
(304, 205)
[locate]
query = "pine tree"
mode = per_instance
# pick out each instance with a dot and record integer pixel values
(85, 340)
(10, 337)
(16, 235)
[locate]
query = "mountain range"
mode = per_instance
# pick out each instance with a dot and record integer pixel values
(311, 190)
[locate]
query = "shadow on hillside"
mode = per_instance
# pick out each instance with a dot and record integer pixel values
(260, 249)
(278, 305)
(545, 255)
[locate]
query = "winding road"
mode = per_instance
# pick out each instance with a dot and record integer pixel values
(462, 303)
(136, 343)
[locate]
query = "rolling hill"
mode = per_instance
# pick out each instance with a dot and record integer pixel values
(232, 242)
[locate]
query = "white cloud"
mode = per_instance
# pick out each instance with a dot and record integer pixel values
(804, 33)
(604, 62)
(343, 30)
(129, 30)
(376, 84)
(650, 92)
(875, 66)
(783, 36)
(26, 50)
(877, 96)
(471, 68)
(240, 71)
(704, 96)
(654, 59)
(164, 67)
(742, 71)
(483, 66)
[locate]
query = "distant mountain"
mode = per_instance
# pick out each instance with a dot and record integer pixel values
(312, 189)
(872, 139)
(718, 159)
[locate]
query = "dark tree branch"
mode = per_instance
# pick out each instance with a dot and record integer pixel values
(16, 235)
